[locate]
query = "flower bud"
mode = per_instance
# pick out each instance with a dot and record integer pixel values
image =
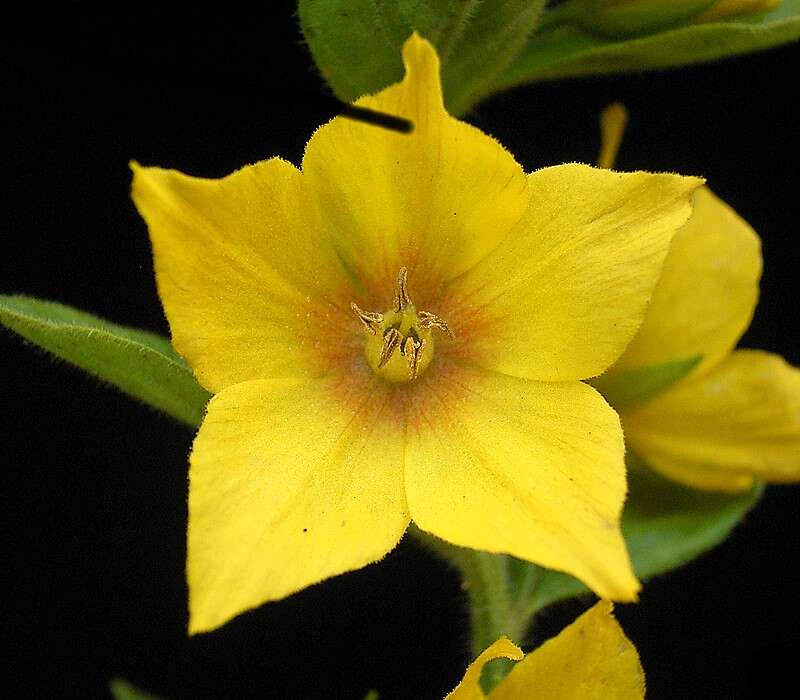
(635, 17)
(735, 8)
(626, 18)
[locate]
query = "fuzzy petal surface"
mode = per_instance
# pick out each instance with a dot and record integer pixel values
(591, 659)
(470, 686)
(738, 422)
(436, 200)
(567, 289)
(707, 293)
(289, 484)
(514, 466)
(248, 286)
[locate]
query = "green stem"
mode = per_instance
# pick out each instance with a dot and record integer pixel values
(496, 607)
(486, 581)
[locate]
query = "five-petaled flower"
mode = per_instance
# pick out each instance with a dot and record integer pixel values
(591, 658)
(399, 331)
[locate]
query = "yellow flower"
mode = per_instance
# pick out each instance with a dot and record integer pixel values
(591, 659)
(399, 331)
(736, 416)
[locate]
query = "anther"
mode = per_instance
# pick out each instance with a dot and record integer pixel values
(391, 340)
(412, 349)
(401, 298)
(429, 320)
(371, 319)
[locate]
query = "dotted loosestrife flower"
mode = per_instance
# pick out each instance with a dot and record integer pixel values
(590, 659)
(398, 331)
(736, 416)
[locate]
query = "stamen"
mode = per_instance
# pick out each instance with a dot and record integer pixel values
(401, 328)
(429, 320)
(391, 340)
(401, 298)
(412, 349)
(371, 319)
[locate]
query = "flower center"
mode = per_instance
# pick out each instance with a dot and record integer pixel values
(399, 342)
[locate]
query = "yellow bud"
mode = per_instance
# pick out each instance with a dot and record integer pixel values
(625, 18)
(635, 17)
(735, 8)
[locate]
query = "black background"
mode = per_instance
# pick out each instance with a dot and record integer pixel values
(95, 485)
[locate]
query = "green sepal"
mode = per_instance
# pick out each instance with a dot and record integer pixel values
(665, 524)
(120, 689)
(569, 51)
(142, 364)
(629, 387)
(356, 44)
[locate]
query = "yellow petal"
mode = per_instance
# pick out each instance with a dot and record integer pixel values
(707, 293)
(435, 200)
(738, 422)
(565, 292)
(291, 481)
(533, 469)
(592, 659)
(470, 686)
(247, 286)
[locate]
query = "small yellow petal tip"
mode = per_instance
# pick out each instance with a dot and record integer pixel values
(418, 44)
(630, 594)
(605, 606)
(613, 120)
(504, 648)
(422, 66)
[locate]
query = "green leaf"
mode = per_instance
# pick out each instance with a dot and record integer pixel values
(122, 690)
(497, 33)
(356, 44)
(666, 525)
(142, 364)
(624, 389)
(568, 51)
(351, 46)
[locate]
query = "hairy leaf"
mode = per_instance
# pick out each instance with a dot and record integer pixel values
(141, 363)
